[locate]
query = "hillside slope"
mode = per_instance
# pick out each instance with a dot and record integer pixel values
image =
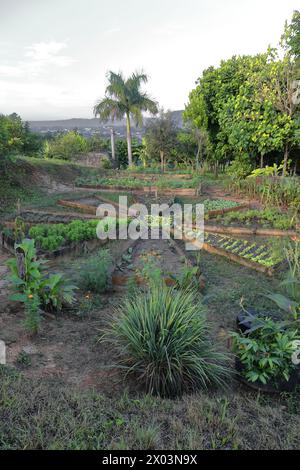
(29, 179)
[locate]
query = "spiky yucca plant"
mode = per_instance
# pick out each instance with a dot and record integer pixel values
(162, 336)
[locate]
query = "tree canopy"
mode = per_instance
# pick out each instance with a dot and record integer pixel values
(247, 105)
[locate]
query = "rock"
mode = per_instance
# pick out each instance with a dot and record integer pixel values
(30, 349)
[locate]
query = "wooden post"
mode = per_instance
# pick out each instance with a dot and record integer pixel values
(20, 255)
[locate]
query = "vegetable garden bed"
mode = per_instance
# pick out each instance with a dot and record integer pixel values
(249, 231)
(214, 207)
(248, 253)
(33, 216)
(268, 218)
(54, 240)
(146, 190)
(8, 243)
(255, 256)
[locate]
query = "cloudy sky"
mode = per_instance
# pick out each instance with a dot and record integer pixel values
(54, 54)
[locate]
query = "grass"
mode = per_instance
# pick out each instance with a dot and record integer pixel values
(23, 180)
(114, 197)
(94, 274)
(209, 204)
(46, 415)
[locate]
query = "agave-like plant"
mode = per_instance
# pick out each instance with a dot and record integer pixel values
(162, 336)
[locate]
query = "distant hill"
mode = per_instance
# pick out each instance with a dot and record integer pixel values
(92, 125)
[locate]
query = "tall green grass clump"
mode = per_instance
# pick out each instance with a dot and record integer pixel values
(162, 336)
(94, 275)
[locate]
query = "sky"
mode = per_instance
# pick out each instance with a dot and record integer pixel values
(54, 54)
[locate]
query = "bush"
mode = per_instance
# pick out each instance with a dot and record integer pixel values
(266, 352)
(66, 146)
(240, 167)
(162, 336)
(34, 288)
(94, 276)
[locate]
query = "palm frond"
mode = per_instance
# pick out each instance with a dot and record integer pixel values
(108, 108)
(116, 88)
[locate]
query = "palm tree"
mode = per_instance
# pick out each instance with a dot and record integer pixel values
(123, 97)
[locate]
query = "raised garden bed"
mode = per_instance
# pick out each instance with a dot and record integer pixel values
(33, 216)
(155, 176)
(249, 231)
(247, 253)
(58, 239)
(156, 190)
(167, 256)
(267, 219)
(8, 244)
(86, 208)
(214, 207)
(131, 183)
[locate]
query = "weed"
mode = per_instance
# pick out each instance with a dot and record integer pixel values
(94, 275)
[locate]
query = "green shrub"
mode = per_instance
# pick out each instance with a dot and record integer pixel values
(240, 167)
(266, 353)
(94, 275)
(34, 288)
(162, 336)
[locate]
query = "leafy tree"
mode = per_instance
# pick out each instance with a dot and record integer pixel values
(249, 105)
(66, 146)
(251, 122)
(11, 135)
(97, 144)
(122, 152)
(195, 114)
(161, 138)
(186, 148)
(33, 142)
(211, 98)
(123, 97)
(291, 36)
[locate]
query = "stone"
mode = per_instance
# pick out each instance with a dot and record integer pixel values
(30, 349)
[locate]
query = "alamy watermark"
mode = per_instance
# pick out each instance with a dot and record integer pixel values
(296, 92)
(2, 352)
(163, 221)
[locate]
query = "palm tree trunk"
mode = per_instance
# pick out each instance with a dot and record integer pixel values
(162, 161)
(129, 147)
(112, 142)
